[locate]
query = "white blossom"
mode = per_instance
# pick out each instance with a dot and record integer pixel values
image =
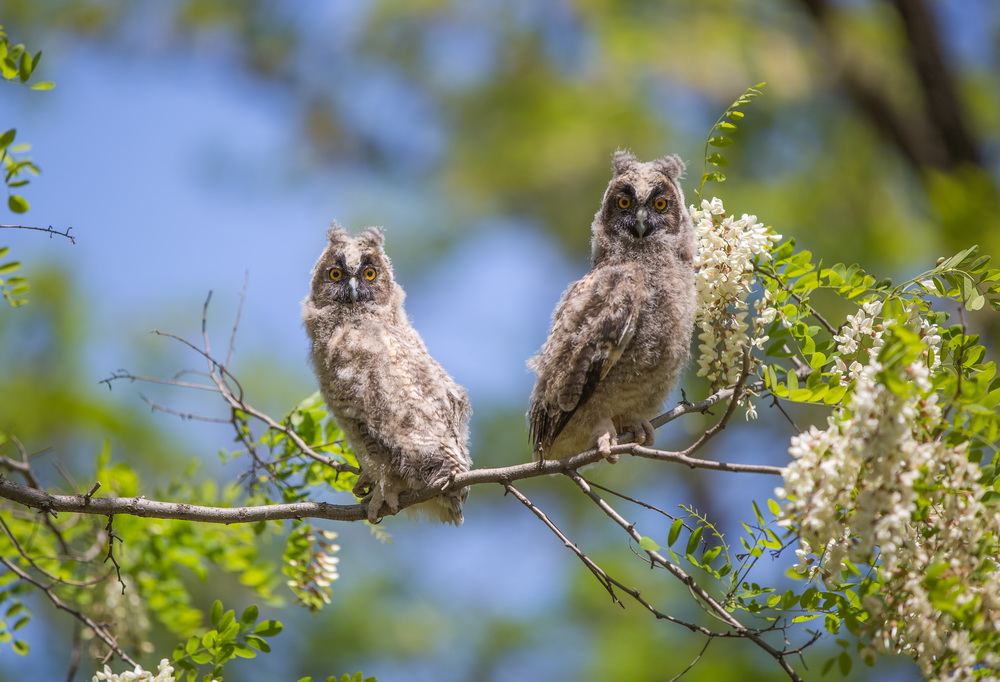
(164, 673)
(727, 249)
(860, 489)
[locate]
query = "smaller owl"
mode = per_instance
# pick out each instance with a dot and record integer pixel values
(621, 335)
(405, 418)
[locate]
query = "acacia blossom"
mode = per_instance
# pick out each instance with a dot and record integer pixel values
(728, 249)
(878, 487)
(164, 673)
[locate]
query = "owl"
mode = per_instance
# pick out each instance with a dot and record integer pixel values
(405, 418)
(621, 335)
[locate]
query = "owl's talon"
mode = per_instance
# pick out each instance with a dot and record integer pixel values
(363, 486)
(604, 443)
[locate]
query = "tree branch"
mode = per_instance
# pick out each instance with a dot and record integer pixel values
(714, 608)
(606, 580)
(140, 506)
(48, 229)
(98, 630)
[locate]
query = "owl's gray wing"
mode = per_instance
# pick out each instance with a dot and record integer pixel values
(592, 326)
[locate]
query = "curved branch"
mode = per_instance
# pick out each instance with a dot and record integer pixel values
(98, 630)
(714, 607)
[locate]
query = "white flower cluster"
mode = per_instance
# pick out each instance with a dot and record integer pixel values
(164, 673)
(860, 340)
(877, 483)
(859, 337)
(724, 261)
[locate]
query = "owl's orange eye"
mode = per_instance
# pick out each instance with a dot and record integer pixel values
(335, 274)
(370, 273)
(624, 202)
(660, 204)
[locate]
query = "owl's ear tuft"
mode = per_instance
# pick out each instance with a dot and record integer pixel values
(622, 161)
(336, 233)
(372, 237)
(672, 166)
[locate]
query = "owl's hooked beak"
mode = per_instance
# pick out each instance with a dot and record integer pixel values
(353, 284)
(640, 225)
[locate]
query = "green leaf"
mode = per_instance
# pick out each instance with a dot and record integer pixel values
(17, 204)
(257, 643)
(21, 648)
(215, 613)
(675, 531)
(4, 269)
(249, 617)
(774, 507)
(720, 141)
(717, 160)
(268, 628)
(43, 85)
(648, 544)
(835, 395)
(243, 651)
(711, 554)
(975, 300)
(693, 541)
(201, 657)
(25, 67)
(844, 662)
(725, 126)
(7, 138)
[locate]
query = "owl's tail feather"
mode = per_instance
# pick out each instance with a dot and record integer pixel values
(447, 508)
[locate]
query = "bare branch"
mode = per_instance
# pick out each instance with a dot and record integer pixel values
(98, 630)
(48, 229)
(737, 392)
(598, 572)
(703, 597)
(140, 506)
(34, 562)
(606, 580)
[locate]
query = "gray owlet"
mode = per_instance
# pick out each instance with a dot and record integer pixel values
(404, 416)
(621, 335)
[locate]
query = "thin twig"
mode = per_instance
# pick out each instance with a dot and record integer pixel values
(34, 563)
(598, 572)
(692, 663)
(76, 653)
(702, 597)
(48, 229)
(109, 529)
(777, 403)
(99, 631)
(606, 580)
(738, 392)
(236, 320)
(24, 468)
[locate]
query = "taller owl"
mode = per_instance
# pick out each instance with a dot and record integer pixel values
(405, 418)
(621, 335)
